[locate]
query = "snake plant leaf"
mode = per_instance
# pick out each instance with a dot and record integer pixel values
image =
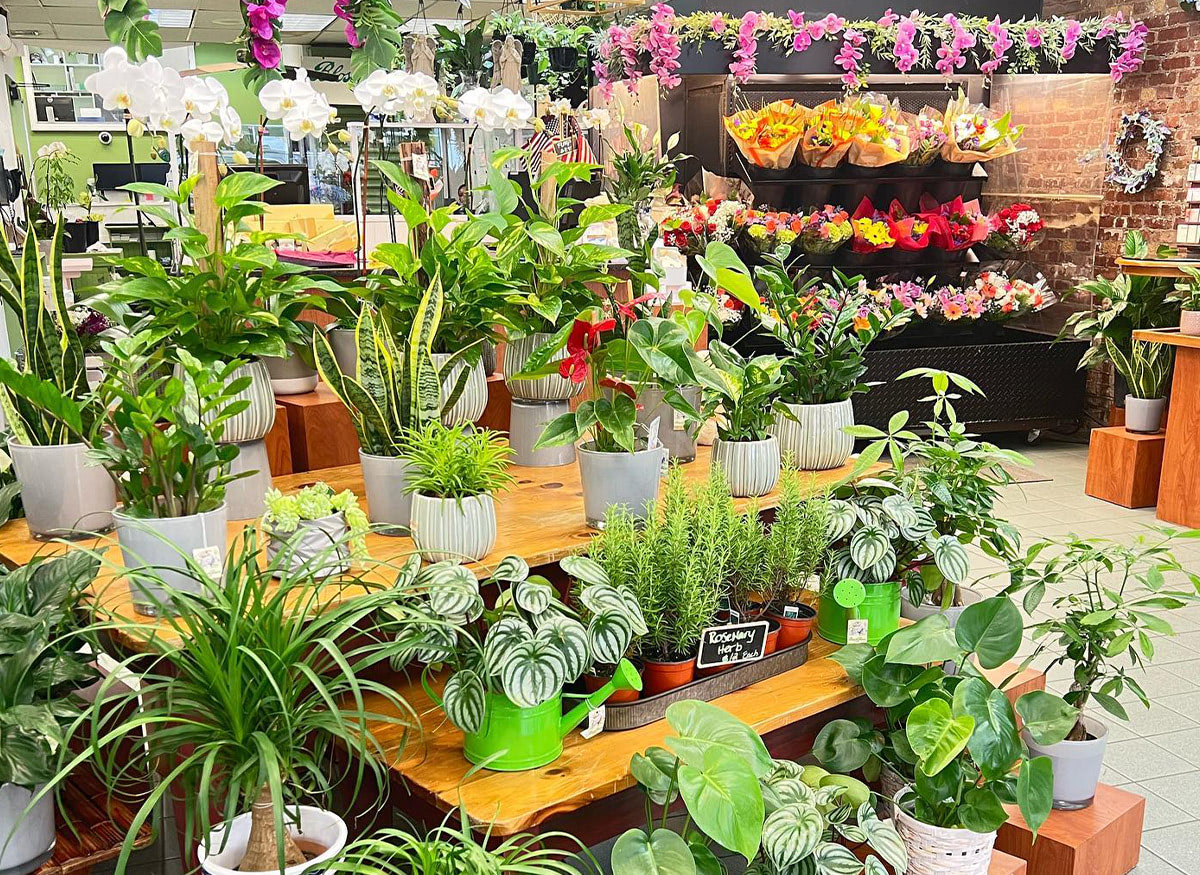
(465, 700)
(571, 639)
(534, 672)
(792, 833)
(609, 635)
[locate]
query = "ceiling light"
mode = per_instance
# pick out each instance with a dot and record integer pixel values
(300, 22)
(172, 17)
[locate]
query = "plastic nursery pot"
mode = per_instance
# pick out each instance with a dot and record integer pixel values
(1077, 765)
(1144, 415)
(793, 630)
(773, 630)
(658, 676)
(1189, 322)
(595, 682)
(880, 608)
(610, 479)
(317, 830)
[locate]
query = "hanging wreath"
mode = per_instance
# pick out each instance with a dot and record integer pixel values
(1134, 127)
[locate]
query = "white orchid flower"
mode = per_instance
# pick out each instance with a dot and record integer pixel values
(476, 106)
(419, 96)
(513, 110)
(369, 92)
(307, 120)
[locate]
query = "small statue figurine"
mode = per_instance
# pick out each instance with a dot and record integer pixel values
(420, 54)
(497, 48)
(510, 64)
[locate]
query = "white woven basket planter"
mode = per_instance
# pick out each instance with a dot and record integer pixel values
(933, 850)
(891, 783)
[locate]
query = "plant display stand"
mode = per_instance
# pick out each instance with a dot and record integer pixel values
(1001, 863)
(321, 433)
(1104, 839)
(1124, 467)
(279, 444)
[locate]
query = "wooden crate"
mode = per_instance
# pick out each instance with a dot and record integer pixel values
(1125, 467)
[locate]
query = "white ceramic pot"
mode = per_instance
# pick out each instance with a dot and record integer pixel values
(817, 441)
(341, 341)
(253, 423)
(317, 548)
(1189, 322)
(673, 432)
(934, 850)
(527, 421)
(549, 388)
(63, 494)
(473, 400)
(388, 502)
(26, 839)
(910, 611)
(611, 479)
(1077, 765)
(1144, 415)
(451, 529)
(221, 856)
(290, 375)
(751, 467)
(164, 548)
(245, 497)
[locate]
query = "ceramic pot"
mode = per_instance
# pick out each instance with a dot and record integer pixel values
(1144, 415)
(220, 855)
(473, 400)
(64, 496)
(1077, 765)
(659, 676)
(527, 420)
(165, 548)
(629, 479)
(246, 497)
(290, 375)
(452, 529)
(341, 341)
(751, 467)
(253, 423)
(793, 630)
(26, 840)
(549, 388)
(935, 850)
(672, 431)
(816, 442)
(1189, 322)
(909, 611)
(317, 548)
(385, 479)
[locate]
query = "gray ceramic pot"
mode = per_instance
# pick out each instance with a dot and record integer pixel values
(610, 479)
(341, 341)
(317, 548)
(816, 442)
(26, 840)
(672, 427)
(489, 357)
(551, 388)
(527, 420)
(454, 530)
(1077, 765)
(1144, 415)
(164, 548)
(291, 375)
(1189, 322)
(255, 421)
(64, 496)
(244, 498)
(909, 611)
(388, 504)
(473, 400)
(751, 467)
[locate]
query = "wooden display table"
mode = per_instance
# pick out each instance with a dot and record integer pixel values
(1161, 267)
(1124, 467)
(99, 822)
(1179, 486)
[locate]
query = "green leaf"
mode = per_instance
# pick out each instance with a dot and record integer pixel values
(887, 684)
(995, 744)
(237, 187)
(992, 630)
(792, 833)
(1035, 791)
(701, 726)
(655, 772)
(981, 811)
(843, 746)
(545, 236)
(724, 799)
(661, 853)
(1047, 717)
(927, 641)
(504, 192)
(936, 736)
(951, 559)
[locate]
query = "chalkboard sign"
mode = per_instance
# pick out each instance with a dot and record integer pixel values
(725, 645)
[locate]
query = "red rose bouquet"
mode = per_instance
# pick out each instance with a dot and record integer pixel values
(1016, 228)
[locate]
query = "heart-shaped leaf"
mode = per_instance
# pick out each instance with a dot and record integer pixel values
(533, 673)
(609, 635)
(992, 630)
(995, 744)
(700, 726)
(661, 853)
(724, 798)
(929, 640)
(792, 833)
(534, 594)
(502, 636)
(511, 569)
(936, 736)
(655, 771)
(571, 639)
(465, 700)
(1046, 716)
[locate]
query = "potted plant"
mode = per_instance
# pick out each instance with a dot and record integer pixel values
(505, 687)
(460, 54)
(272, 661)
(81, 233)
(168, 463)
(53, 184)
(1112, 602)
(1188, 294)
(315, 530)
(797, 545)
(637, 174)
(1147, 371)
(779, 815)
(452, 477)
(50, 412)
(46, 660)
(951, 740)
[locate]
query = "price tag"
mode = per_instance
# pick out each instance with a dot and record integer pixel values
(420, 166)
(679, 421)
(856, 631)
(209, 560)
(813, 583)
(595, 723)
(652, 430)
(732, 643)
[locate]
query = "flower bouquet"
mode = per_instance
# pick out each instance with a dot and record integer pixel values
(872, 232)
(926, 135)
(911, 232)
(830, 134)
(768, 137)
(761, 233)
(975, 133)
(823, 232)
(1016, 228)
(881, 136)
(1007, 297)
(957, 225)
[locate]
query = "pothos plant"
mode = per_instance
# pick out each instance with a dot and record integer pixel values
(954, 737)
(780, 816)
(526, 648)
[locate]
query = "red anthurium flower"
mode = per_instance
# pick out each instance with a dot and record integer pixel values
(627, 308)
(585, 338)
(618, 386)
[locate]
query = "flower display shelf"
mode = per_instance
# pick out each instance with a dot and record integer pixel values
(849, 174)
(631, 715)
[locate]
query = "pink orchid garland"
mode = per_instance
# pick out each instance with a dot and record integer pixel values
(904, 51)
(664, 46)
(848, 58)
(745, 56)
(951, 55)
(262, 22)
(1001, 43)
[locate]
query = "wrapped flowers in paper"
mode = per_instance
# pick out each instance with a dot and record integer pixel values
(926, 136)
(911, 232)
(1016, 228)
(825, 231)
(762, 232)
(768, 137)
(880, 136)
(872, 232)
(829, 135)
(956, 225)
(976, 133)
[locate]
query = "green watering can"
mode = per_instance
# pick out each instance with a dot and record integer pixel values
(515, 739)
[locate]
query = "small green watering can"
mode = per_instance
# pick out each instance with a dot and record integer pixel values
(515, 739)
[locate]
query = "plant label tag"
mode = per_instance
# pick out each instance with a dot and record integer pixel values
(791, 612)
(420, 166)
(813, 583)
(856, 631)
(652, 440)
(595, 723)
(733, 643)
(209, 559)
(678, 421)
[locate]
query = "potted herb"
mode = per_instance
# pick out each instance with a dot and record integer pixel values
(169, 465)
(797, 545)
(50, 412)
(780, 816)
(1188, 294)
(1112, 602)
(505, 687)
(1147, 371)
(315, 530)
(46, 660)
(452, 477)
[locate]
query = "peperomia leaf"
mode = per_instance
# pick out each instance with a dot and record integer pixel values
(792, 833)
(465, 700)
(534, 672)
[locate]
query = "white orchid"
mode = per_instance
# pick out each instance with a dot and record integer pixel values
(281, 96)
(418, 97)
(560, 107)
(55, 150)
(307, 120)
(594, 118)
(513, 110)
(204, 96)
(478, 107)
(231, 124)
(198, 129)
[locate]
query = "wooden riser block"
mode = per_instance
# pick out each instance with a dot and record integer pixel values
(1124, 467)
(1116, 415)
(1104, 839)
(279, 444)
(321, 433)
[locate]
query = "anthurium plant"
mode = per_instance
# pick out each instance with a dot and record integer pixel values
(781, 816)
(953, 736)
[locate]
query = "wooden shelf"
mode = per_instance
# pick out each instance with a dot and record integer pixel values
(1169, 336)
(1162, 267)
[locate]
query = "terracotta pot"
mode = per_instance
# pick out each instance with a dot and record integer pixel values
(774, 627)
(658, 677)
(593, 682)
(714, 669)
(793, 630)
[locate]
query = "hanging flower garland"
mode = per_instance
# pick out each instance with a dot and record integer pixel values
(918, 42)
(1133, 127)
(261, 37)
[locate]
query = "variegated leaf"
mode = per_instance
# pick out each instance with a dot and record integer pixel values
(784, 769)
(792, 790)
(792, 833)
(900, 509)
(571, 638)
(923, 526)
(842, 519)
(438, 642)
(951, 559)
(534, 672)
(511, 569)
(874, 867)
(502, 636)
(883, 838)
(584, 569)
(534, 595)
(833, 859)
(868, 546)
(609, 635)
(465, 700)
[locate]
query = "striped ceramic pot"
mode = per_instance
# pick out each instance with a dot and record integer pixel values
(751, 467)
(473, 400)
(816, 440)
(453, 529)
(551, 388)
(253, 423)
